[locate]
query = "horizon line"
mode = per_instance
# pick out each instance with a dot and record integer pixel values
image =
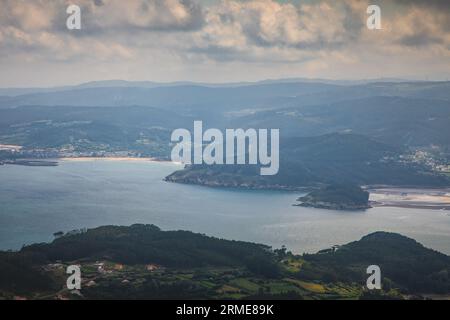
(231, 83)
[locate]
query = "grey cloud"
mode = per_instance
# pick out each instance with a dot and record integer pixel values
(441, 7)
(243, 29)
(153, 15)
(440, 4)
(38, 28)
(419, 40)
(105, 15)
(192, 31)
(227, 54)
(420, 27)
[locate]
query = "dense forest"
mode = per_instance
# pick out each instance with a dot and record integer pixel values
(404, 263)
(141, 244)
(337, 197)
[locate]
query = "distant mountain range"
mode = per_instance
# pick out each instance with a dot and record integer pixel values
(152, 84)
(268, 94)
(333, 128)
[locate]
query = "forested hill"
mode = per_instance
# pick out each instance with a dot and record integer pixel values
(143, 262)
(402, 260)
(140, 244)
(337, 197)
(327, 159)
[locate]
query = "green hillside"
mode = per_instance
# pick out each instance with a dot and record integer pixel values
(311, 161)
(143, 262)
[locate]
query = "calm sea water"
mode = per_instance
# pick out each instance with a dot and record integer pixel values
(35, 202)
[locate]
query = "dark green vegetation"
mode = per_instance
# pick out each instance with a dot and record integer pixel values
(337, 197)
(143, 262)
(142, 244)
(405, 264)
(331, 132)
(19, 274)
(329, 159)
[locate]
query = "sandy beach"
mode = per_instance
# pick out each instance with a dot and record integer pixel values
(438, 199)
(10, 147)
(127, 159)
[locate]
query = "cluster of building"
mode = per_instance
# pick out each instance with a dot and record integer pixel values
(426, 158)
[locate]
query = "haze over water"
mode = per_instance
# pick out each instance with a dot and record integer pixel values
(35, 202)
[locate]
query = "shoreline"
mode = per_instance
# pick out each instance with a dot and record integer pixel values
(411, 206)
(53, 162)
(121, 159)
(411, 198)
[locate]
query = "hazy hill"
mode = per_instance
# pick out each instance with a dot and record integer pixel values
(143, 129)
(394, 120)
(228, 96)
(152, 84)
(184, 97)
(311, 116)
(406, 113)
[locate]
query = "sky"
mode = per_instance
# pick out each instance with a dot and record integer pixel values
(221, 41)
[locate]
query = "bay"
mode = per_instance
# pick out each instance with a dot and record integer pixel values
(35, 202)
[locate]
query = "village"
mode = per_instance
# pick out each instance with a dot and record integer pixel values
(100, 272)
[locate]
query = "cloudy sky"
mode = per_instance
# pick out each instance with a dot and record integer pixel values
(221, 40)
